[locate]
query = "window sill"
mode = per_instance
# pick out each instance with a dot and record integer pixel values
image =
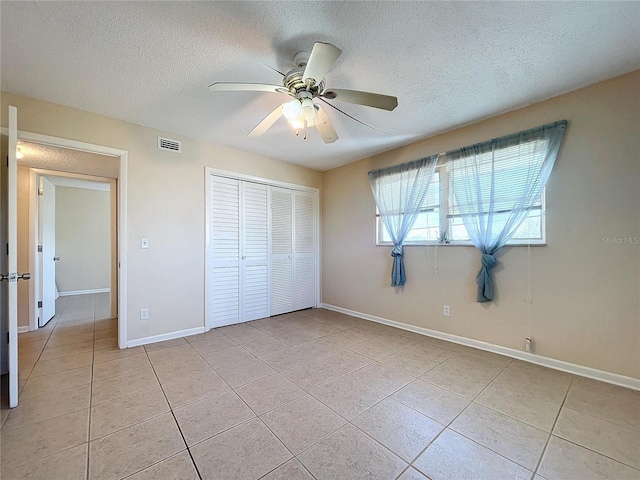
(537, 243)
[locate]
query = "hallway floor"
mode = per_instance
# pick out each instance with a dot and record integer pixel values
(313, 394)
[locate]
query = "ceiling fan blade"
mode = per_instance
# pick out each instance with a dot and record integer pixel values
(352, 117)
(247, 87)
(322, 57)
(266, 124)
(277, 71)
(375, 100)
(326, 130)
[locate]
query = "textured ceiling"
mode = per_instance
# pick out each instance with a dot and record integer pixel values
(449, 63)
(67, 160)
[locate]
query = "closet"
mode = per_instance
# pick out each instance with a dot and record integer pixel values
(292, 251)
(261, 249)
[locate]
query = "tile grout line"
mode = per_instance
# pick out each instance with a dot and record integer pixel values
(347, 421)
(57, 416)
(188, 449)
(473, 401)
(209, 396)
(575, 443)
(242, 400)
(454, 419)
(293, 456)
(546, 445)
(307, 392)
(93, 357)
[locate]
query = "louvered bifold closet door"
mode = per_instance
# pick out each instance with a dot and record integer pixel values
(255, 252)
(304, 250)
(281, 250)
(224, 252)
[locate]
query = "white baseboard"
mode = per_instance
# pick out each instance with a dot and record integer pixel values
(23, 329)
(608, 377)
(84, 292)
(165, 336)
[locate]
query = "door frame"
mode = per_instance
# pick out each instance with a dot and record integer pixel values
(121, 213)
(209, 171)
(35, 289)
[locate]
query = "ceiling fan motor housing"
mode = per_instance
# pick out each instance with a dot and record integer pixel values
(301, 59)
(293, 82)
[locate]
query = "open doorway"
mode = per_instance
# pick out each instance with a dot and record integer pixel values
(75, 232)
(72, 234)
(78, 160)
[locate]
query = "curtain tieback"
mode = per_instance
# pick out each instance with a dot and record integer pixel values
(488, 261)
(397, 251)
(484, 280)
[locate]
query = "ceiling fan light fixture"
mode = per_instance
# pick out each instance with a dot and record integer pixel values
(312, 122)
(291, 110)
(308, 111)
(297, 123)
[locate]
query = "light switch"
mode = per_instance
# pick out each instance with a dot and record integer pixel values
(144, 243)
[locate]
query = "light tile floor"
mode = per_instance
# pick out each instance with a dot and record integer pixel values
(313, 394)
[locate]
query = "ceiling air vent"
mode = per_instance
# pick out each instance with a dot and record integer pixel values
(169, 145)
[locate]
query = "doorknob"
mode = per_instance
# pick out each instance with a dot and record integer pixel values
(55, 259)
(14, 277)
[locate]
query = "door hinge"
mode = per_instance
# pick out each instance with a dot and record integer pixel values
(7, 337)
(40, 191)
(39, 248)
(40, 304)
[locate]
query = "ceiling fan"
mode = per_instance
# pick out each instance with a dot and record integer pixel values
(305, 83)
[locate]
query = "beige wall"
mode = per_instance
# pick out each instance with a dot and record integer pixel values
(83, 240)
(23, 245)
(586, 293)
(165, 202)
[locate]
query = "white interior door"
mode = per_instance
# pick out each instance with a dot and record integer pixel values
(47, 221)
(304, 259)
(254, 291)
(281, 251)
(11, 275)
(223, 259)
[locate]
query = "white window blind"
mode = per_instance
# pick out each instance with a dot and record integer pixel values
(500, 175)
(440, 219)
(427, 224)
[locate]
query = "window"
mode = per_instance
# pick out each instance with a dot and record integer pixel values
(440, 220)
(427, 225)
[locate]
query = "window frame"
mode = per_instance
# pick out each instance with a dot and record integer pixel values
(443, 207)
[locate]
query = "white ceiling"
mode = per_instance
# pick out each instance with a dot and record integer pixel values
(449, 63)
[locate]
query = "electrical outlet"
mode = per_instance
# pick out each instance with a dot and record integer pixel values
(447, 311)
(144, 314)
